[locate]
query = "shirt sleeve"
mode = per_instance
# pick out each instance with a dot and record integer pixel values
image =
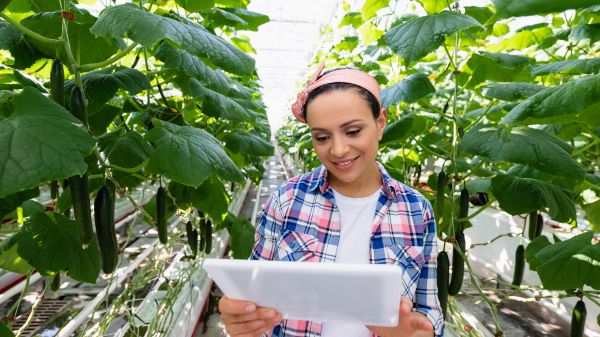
(267, 232)
(426, 301)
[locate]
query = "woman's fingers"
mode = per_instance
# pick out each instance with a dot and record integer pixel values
(245, 319)
(235, 307)
(418, 321)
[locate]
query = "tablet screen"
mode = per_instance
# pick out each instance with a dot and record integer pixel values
(358, 293)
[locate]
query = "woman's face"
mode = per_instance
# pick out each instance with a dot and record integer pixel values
(346, 137)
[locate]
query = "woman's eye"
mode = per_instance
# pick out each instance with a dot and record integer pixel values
(353, 132)
(321, 139)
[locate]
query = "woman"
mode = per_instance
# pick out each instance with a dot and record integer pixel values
(347, 210)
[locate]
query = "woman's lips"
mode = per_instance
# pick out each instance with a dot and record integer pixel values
(343, 165)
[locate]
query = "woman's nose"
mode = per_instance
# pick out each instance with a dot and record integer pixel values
(338, 148)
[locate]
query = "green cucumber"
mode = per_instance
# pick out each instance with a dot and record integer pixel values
(441, 187)
(578, 319)
(79, 105)
(104, 216)
(57, 82)
(80, 196)
(464, 207)
(540, 225)
(55, 285)
(533, 218)
(443, 276)
(458, 265)
(519, 265)
(208, 236)
(161, 214)
(192, 237)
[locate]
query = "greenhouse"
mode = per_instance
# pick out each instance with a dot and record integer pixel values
(335, 168)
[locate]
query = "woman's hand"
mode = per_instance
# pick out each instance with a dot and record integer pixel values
(410, 324)
(244, 319)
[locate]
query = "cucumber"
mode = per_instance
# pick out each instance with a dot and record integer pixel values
(540, 225)
(458, 265)
(443, 275)
(55, 285)
(208, 237)
(202, 244)
(79, 105)
(161, 214)
(519, 265)
(464, 207)
(441, 187)
(57, 82)
(533, 218)
(104, 215)
(192, 237)
(53, 189)
(578, 319)
(80, 196)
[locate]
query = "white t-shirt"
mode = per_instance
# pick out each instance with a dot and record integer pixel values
(356, 218)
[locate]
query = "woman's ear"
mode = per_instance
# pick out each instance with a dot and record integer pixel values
(381, 121)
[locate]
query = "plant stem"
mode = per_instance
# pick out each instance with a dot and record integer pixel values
(494, 239)
(68, 50)
(30, 32)
(37, 303)
(15, 308)
(474, 214)
(113, 59)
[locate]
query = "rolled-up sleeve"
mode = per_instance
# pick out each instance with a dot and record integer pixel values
(267, 232)
(426, 301)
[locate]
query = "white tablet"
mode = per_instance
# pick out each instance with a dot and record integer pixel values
(357, 293)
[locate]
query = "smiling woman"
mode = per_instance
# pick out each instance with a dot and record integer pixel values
(351, 210)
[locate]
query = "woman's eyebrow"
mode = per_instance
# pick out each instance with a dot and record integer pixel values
(341, 126)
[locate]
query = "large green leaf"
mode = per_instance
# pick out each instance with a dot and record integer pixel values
(521, 40)
(592, 214)
(23, 53)
(588, 33)
(11, 202)
(242, 236)
(101, 85)
(508, 8)
(410, 89)
(253, 20)
(100, 119)
(41, 142)
(9, 257)
(214, 103)
(51, 242)
(85, 45)
(579, 66)
(434, 6)
(569, 264)
(214, 79)
(188, 155)
(217, 17)
(370, 8)
(523, 195)
(498, 67)
(397, 130)
(416, 38)
(512, 91)
(211, 197)
(353, 19)
(244, 142)
(577, 100)
(195, 5)
(148, 28)
(5, 331)
(128, 150)
(523, 145)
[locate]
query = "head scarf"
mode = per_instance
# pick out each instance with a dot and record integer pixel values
(353, 76)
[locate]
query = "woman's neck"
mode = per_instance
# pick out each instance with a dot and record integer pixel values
(362, 187)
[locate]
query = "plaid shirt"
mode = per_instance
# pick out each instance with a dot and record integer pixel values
(300, 222)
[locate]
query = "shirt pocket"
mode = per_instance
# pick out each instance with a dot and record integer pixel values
(410, 259)
(295, 246)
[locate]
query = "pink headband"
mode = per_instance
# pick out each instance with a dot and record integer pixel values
(353, 76)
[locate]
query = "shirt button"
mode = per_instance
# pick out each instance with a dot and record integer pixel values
(293, 245)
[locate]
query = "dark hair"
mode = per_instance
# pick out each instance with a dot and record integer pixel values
(364, 93)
